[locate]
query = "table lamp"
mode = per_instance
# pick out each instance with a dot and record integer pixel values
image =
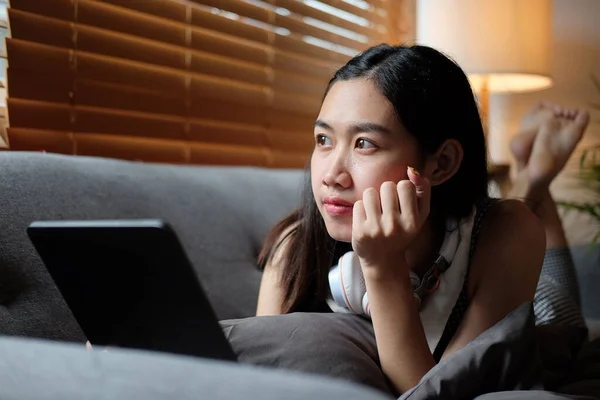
(502, 45)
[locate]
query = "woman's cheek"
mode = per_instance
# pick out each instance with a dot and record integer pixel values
(374, 175)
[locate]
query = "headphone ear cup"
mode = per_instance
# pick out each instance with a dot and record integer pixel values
(347, 283)
(335, 286)
(353, 281)
(366, 307)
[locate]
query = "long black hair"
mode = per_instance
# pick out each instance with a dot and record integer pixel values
(434, 102)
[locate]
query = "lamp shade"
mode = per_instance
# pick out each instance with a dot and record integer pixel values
(505, 42)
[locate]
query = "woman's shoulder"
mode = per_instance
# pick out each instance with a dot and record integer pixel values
(510, 224)
(509, 207)
(511, 236)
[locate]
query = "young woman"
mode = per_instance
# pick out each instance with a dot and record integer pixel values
(399, 152)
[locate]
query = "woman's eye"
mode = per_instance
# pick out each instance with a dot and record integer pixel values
(323, 140)
(365, 144)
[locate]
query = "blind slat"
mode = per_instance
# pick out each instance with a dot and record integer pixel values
(61, 89)
(228, 155)
(61, 9)
(117, 19)
(291, 143)
(168, 9)
(148, 150)
(128, 20)
(131, 74)
(369, 15)
(302, 65)
(240, 8)
(294, 45)
(268, 16)
(300, 27)
(303, 9)
(218, 23)
(134, 149)
(63, 142)
(62, 117)
(53, 32)
(382, 4)
(23, 139)
(288, 160)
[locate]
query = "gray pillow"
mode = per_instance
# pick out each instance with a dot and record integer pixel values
(502, 358)
(332, 344)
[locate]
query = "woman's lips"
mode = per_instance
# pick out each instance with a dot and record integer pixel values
(336, 206)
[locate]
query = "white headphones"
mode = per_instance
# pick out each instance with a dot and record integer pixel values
(347, 283)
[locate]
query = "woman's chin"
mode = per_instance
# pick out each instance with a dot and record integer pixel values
(340, 233)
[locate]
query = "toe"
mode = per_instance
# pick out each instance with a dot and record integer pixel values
(582, 118)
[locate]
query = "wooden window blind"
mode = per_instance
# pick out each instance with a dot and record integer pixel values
(235, 82)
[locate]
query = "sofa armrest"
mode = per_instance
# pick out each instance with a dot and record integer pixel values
(35, 369)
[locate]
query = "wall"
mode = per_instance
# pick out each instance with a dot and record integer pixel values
(576, 54)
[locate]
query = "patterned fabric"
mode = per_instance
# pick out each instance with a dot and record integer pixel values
(462, 303)
(559, 269)
(557, 299)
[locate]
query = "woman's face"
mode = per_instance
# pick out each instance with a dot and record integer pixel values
(359, 143)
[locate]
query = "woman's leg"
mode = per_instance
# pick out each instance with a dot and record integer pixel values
(548, 137)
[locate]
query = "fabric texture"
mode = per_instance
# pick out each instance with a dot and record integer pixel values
(557, 297)
(513, 355)
(48, 370)
(559, 269)
(517, 359)
(331, 344)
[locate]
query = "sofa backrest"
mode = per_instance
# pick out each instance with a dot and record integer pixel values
(221, 215)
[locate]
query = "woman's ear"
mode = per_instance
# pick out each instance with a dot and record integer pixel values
(442, 165)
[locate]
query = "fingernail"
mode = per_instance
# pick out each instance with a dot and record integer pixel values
(414, 171)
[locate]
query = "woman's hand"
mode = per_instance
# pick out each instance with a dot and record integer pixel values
(385, 223)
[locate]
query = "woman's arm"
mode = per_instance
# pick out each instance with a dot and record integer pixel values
(384, 224)
(271, 295)
(504, 273)
(401, 342)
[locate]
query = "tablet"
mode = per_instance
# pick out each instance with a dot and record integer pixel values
(130, 284)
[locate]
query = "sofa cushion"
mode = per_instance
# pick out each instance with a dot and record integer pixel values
(221, 215)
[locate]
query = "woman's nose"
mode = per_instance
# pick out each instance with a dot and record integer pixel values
(337, 174)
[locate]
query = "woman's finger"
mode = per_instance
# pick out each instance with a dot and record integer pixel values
(407, 194)
(358, 215)
(390, 206)
(371, 205)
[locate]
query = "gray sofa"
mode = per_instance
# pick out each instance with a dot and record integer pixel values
(221, 215)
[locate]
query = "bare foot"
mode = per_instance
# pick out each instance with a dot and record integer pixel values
(543, 152)
(554, 145)
(522, 143)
